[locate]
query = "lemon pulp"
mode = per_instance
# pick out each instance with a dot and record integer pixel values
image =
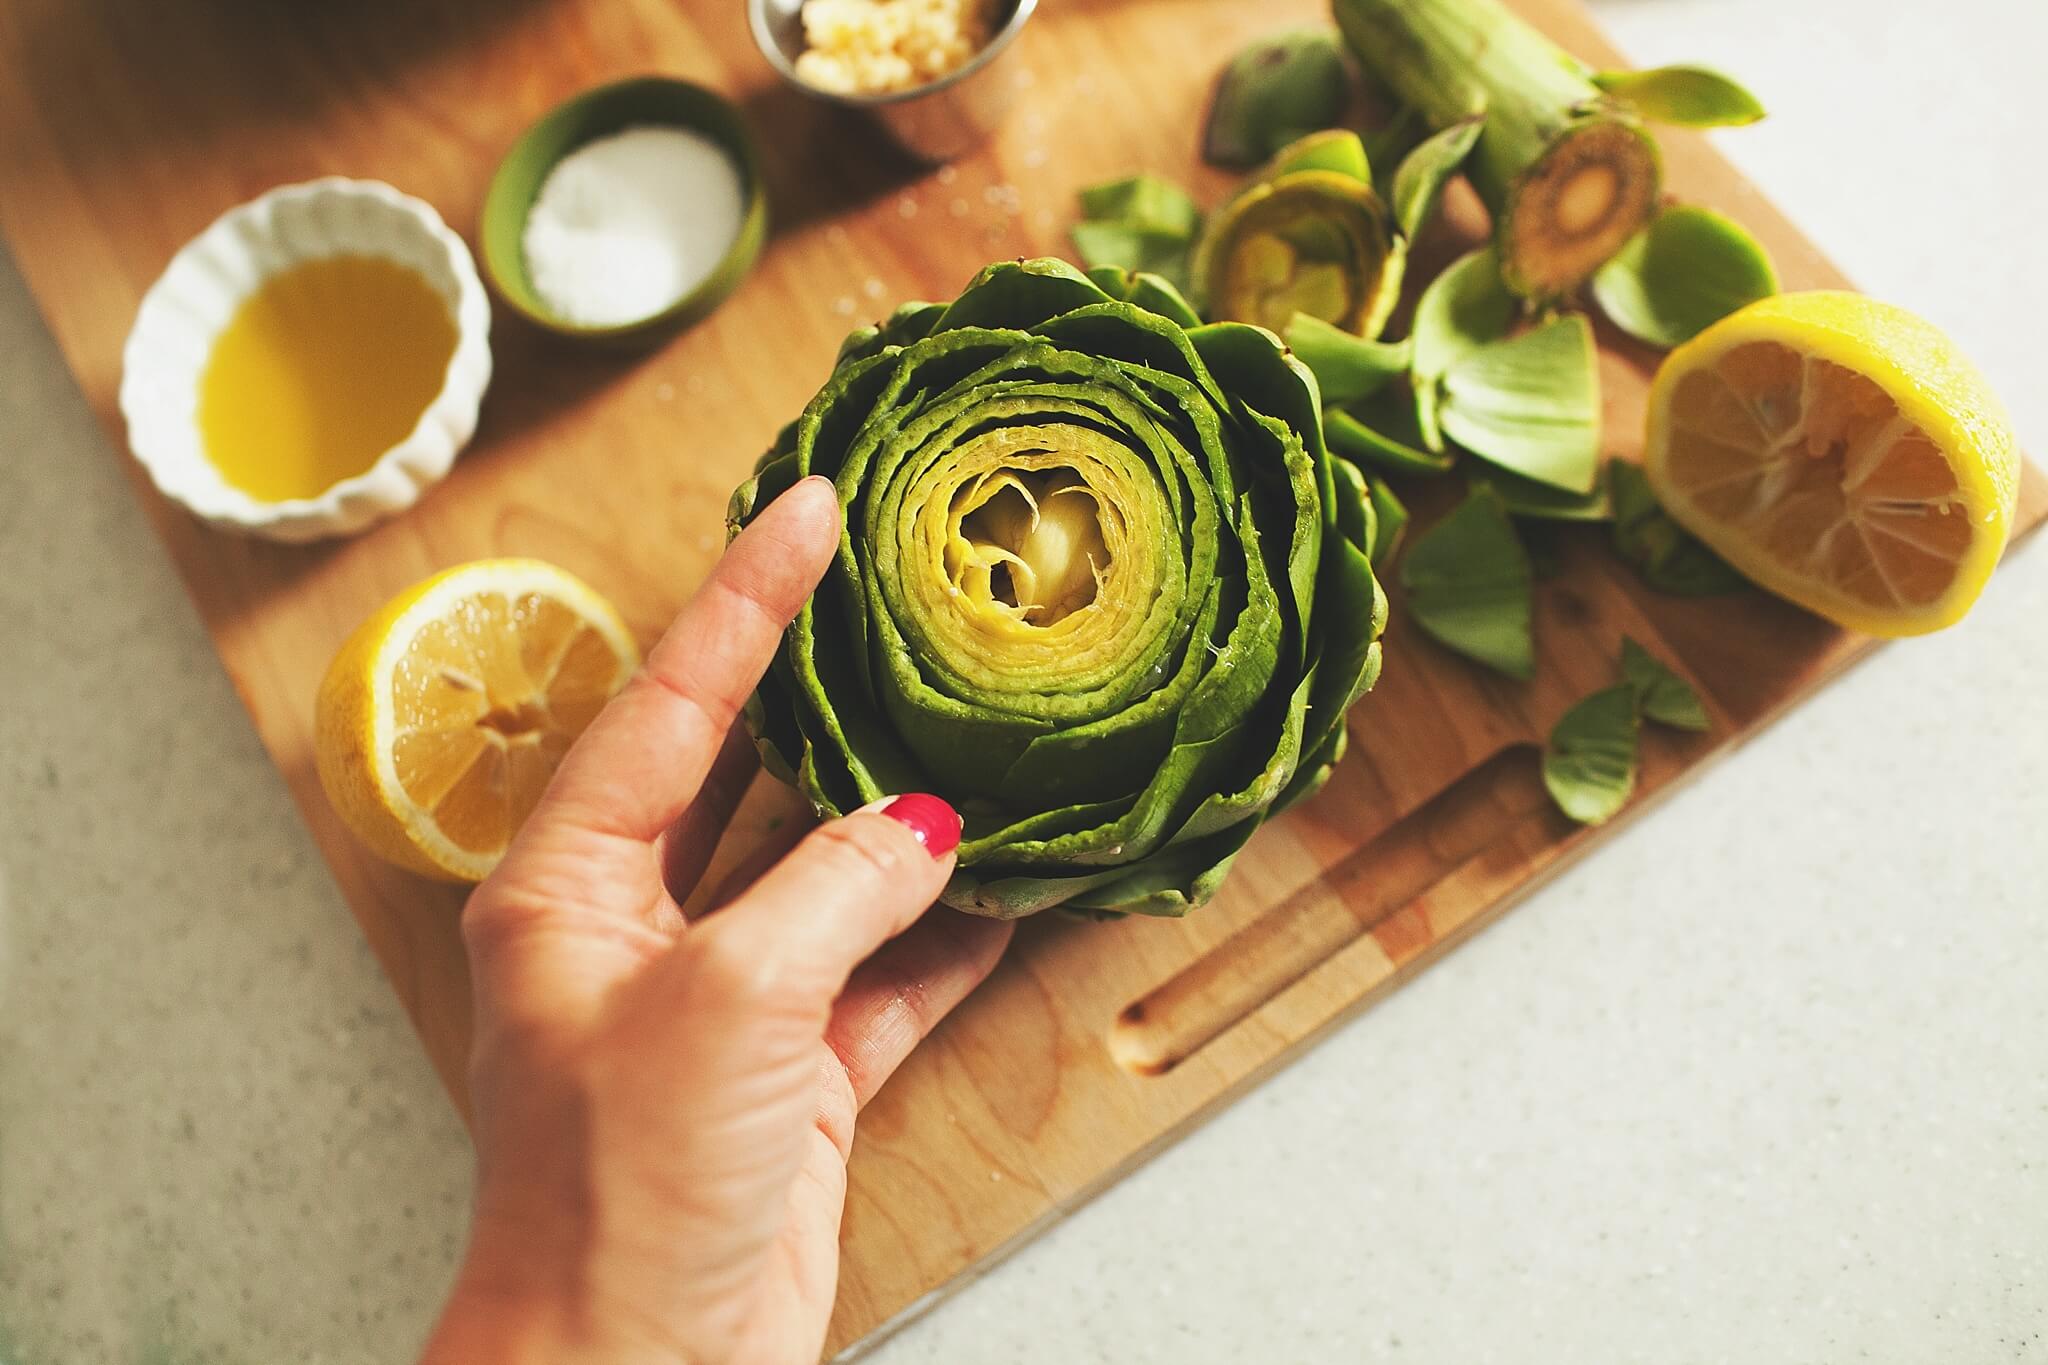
(324, 368)
(486, 699)
(444, 715)
(1842, 454)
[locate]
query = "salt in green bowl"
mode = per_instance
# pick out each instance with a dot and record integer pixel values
(655, 100)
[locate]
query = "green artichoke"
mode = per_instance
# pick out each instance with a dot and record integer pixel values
(1101, 586)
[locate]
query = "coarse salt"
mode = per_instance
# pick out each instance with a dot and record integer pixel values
(629, 224)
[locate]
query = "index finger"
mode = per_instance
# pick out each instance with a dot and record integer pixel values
(642, 761)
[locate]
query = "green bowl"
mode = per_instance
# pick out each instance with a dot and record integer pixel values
(594, 114)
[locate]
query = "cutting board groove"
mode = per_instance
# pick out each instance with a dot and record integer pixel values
(1376, 890)
(127, 125)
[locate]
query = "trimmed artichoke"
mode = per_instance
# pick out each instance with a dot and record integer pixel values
(1101, 586)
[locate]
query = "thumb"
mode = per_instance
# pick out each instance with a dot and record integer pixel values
(791, 939)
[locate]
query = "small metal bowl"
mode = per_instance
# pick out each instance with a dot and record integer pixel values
(934, 122)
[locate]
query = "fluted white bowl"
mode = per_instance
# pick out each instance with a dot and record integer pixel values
(185, 311)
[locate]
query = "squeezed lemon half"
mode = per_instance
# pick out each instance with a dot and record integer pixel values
(444, 715)
(1842, 454)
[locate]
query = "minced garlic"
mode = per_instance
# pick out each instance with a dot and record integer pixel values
(873, 47)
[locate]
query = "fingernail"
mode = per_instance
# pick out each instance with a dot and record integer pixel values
(936, 824)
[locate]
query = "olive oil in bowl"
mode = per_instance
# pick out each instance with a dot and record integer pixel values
(329, 364)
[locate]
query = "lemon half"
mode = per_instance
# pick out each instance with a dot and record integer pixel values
(1842, 454)
(444, 715)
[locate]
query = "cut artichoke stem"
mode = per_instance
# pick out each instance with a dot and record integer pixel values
(1566, 171)
(1578, 205)
(1037, 542)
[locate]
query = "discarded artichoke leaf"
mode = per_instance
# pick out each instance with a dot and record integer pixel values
(1461, 310)
(1347, 367)
(1332, 149)
(1419, 182)
(1381, 431)
(1683, 273)
(1531, 404)
(1276, 89)
(1589, 762)
(1567, 172)
(1540, 501)
(1131, 248)
(1685, 96)
(1143, 201)
(1391, 142)
(1154, 293)
(1664, 554)
(1469, 585)
(1309, 241)
(1661, 695)
(1390, 522)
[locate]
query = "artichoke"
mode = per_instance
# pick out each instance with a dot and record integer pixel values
(1100, 585)
(1308, 234)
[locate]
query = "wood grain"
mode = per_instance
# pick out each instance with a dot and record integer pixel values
(127, 125)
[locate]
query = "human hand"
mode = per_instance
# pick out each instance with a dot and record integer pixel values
(663, 1111)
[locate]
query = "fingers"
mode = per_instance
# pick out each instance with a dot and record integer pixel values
(794, 936)
(897, 997)
(642, 760)
(687, 848)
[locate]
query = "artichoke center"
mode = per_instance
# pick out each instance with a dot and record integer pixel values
(1273, 278)
(1039, 536)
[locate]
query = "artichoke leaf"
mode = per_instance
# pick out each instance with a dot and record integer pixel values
(1131, 248)
(1687, 270)
(1273, 91)
(1347, 367)
(1173, 881)
(1420, 179)
(1531, 404)
(1661, 695)
(1357, 516)
(1665, 554)
(1153, 293)
(1143, 201)
(1338, 150)
(1541, 501)
(1390, 524)
(1018, 295)
(1470, 585)
(1462, 309)
(1589, 763)
(1684, 96)
(1384, 431)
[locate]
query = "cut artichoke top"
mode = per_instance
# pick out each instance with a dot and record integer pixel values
(1309, 235)
(1094, 588)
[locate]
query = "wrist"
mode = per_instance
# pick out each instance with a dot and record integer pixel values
(504, 1311)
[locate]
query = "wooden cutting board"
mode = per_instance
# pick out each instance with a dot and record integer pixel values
(126, 125)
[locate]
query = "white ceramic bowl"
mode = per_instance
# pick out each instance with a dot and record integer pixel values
(187, 308)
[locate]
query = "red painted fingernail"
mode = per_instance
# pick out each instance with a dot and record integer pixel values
(936, 824)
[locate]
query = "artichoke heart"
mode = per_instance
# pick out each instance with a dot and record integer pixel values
(1101, 586)
(1313, 241)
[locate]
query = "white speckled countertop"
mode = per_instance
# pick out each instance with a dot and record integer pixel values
(1765, 1080)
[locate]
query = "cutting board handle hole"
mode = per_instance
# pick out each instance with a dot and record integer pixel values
(1375, 890)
